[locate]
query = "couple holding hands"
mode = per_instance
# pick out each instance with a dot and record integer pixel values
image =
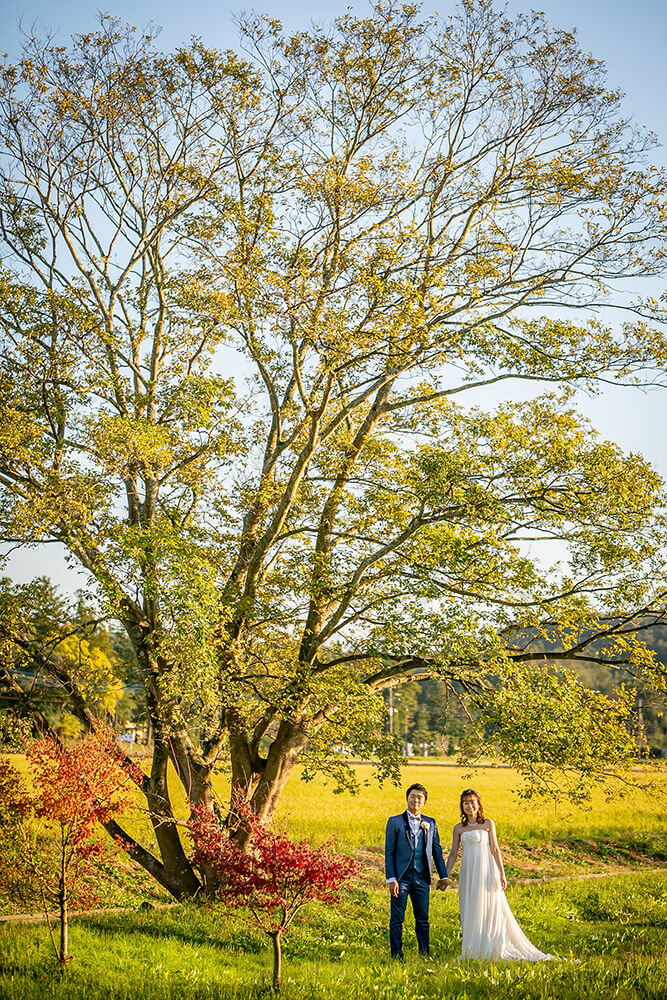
(412, 846)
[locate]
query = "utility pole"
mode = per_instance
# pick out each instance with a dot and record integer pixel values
(641, 729)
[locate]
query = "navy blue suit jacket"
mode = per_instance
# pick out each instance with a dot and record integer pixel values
(399, 848)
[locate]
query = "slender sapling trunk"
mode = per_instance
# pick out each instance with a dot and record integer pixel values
(277, 959)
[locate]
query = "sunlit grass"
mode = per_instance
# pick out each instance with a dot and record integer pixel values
(312, 810)
(609, 938)
(609, 933)
(539, 837)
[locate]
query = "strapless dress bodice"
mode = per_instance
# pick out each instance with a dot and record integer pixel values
(473, 837)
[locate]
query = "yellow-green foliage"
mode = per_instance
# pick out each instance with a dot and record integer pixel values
(93, 670)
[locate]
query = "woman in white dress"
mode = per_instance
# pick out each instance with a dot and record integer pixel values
(489, 927)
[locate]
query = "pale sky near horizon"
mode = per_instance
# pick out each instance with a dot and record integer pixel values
(630, 38)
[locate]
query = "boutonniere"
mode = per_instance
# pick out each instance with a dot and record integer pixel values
(425, 826)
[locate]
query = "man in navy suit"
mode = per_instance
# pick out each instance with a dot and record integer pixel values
(411, 845)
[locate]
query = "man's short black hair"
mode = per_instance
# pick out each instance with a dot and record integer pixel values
(417, 788)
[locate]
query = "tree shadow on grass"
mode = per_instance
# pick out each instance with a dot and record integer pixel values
(192, 926)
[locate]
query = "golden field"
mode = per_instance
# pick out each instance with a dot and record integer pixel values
(312, 810)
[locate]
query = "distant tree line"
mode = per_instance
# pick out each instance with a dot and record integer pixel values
(427, 720)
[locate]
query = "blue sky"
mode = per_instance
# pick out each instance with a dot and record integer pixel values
(630, 37)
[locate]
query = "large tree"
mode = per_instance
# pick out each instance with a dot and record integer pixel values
(364, 221)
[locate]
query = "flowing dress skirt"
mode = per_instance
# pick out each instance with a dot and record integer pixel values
(489, 927)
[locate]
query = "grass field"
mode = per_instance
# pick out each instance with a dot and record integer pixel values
(538, 838)
(609, 932)
(609, 936)
(315, 812)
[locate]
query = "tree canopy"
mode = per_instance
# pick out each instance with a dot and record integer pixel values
(242, 298)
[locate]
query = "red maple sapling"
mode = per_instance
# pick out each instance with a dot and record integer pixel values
(272, 877)
(54, 825)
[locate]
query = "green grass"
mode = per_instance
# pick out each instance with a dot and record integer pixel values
(609, 933)
(538, 838)
(610, 936)
(315, 812)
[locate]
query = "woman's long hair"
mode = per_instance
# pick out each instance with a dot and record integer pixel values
(468, 793)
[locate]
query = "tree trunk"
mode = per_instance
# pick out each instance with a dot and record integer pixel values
(269, 778)
(246, 769)
(282, 757)
(172, 868)
(277, 959)
(191, 770)
(64, 928)
(177, 887)
(195, 778)
(178, 876)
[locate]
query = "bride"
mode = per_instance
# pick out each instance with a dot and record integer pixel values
(489, 927)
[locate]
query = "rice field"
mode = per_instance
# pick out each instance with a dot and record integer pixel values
(312, 811)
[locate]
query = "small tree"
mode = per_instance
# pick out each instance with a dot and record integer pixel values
(272, 878)
(50, 829)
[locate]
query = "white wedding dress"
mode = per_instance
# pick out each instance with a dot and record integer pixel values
(489, 927)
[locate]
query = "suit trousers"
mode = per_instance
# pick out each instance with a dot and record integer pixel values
(414, 886)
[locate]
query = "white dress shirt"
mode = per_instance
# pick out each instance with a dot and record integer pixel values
(415, 822)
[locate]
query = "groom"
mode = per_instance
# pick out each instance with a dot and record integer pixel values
(411, 844)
